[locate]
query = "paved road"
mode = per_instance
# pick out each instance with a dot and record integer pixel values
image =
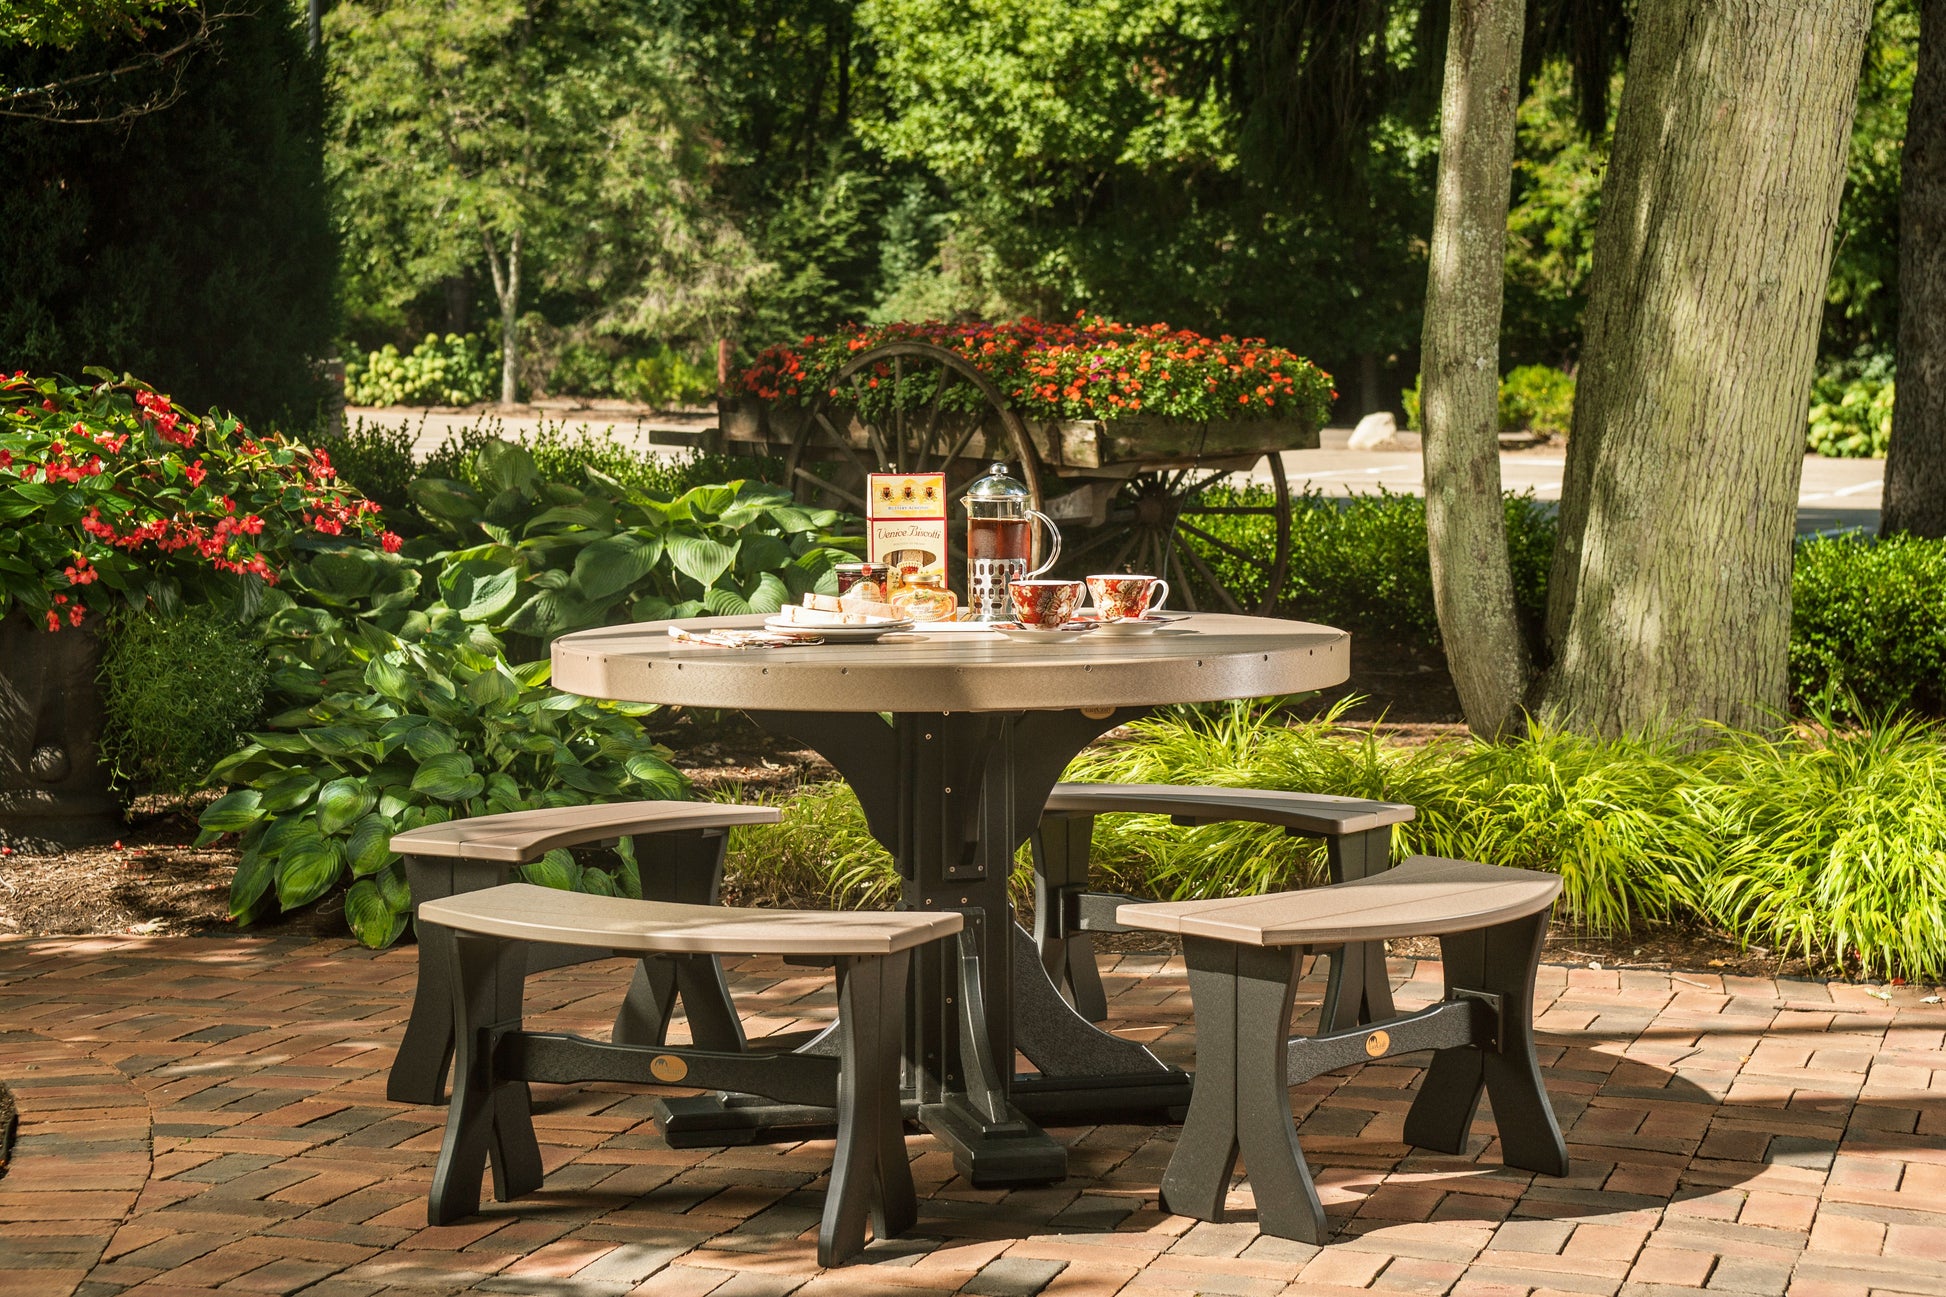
(1836, 495)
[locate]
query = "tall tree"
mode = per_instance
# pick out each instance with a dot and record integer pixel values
(1466, 526)
(1669, 599)
(550, 141)
(1915, 465)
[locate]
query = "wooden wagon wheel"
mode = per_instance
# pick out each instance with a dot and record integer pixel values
(906, 407)
(1168, 522)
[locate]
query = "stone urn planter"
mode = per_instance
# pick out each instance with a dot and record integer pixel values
(53, 786)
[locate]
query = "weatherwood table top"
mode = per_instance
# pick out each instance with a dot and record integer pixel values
(1203, 657)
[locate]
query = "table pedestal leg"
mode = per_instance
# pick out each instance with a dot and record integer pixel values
(953, 796)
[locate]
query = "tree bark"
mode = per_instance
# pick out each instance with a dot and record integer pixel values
(1466, 524)
(510, 325)
(1915, 465)
(1669, 600)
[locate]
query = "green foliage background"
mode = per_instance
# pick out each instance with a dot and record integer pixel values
(192, 245)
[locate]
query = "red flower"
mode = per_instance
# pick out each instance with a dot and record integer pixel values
(195, 473)
(390, 540)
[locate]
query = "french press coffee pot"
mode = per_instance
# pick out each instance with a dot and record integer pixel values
(1000, 542)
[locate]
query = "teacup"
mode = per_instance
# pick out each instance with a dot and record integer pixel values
(1044, 605)
(1120, 596)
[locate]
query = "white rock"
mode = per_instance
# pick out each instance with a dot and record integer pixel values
(1375, 432)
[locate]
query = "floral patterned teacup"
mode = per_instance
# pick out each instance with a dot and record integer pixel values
(1044, 605)
(1120, 596)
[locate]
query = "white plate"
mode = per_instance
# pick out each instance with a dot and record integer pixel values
(1136, 625)
(837, 634)
(1034, 635)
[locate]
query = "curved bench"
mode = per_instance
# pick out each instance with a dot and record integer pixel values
(1243, 957)
(1357, 836)
(490, 1118)
(680, 849)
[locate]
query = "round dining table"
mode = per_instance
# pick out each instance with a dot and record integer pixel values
(952, 740)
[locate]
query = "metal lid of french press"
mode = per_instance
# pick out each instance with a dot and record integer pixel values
(997, 486)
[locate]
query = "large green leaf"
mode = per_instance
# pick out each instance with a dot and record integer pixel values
(614, 564)
(556, 869)
(703, 559)
(508, 465)
(250, 882)
(483, 596)
(448, 776)
(337, 740)
(341, 802)
(288, 791)
(372, 921)
(232, 812)
(369, 845)
(429, 740)
(452, 503)
(306, 870)
(550, 613)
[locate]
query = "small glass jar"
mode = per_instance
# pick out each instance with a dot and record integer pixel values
(924, 597)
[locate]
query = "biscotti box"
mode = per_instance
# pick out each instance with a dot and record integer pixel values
(906, 521)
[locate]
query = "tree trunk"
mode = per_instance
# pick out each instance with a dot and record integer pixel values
(510, 325)
(1466, 524)
(1915, 466)
(1670, 596)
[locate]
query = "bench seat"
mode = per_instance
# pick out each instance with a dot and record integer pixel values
(519, 837)
(523, 912)
(1424, 896)
(1244, 956)
(855, 1071)
(679, 849)
(1357, 834)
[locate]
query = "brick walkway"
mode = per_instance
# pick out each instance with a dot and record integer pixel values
(208, 1115)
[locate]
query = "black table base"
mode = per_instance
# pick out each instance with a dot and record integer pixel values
(953, 796)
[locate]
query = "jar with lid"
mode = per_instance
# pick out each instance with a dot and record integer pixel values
(924, 597)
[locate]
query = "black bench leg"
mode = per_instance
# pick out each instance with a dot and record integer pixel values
(490, 1117)
(1358, 989)
(1061, 846)
(1501, 960)
(1198, 1176)
(1287, 1200)
(418, 1072)
(869, 1171)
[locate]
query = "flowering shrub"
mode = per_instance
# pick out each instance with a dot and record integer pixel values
(453, 370)
(113, 485)
(1092, 369)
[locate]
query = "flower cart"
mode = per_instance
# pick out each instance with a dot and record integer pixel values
(1156, 449)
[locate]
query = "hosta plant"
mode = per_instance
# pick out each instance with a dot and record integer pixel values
(111, 488)
(405, 733)
(541, 558)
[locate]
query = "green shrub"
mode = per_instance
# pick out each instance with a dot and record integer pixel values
(376, 459)
(177, 692)
(661, 377)
(564, 456)
(1537, 398)
(453, 370)
(416, 733)
(1851, 410)
(1360, 562)
(1868, 625)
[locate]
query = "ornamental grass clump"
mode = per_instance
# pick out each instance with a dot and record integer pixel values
(1094, 368)
(1830, 844)
(112, 486)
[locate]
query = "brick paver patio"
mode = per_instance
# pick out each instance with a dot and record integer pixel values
(208, 1115)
